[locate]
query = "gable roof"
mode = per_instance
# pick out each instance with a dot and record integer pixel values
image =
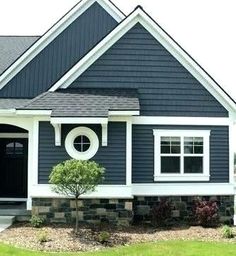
(12, 47)
(85, 102)
(139, 16)
(53, 32)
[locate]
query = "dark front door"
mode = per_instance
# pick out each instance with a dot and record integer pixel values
(13, 167)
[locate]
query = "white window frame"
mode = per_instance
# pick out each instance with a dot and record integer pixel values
(73, 134)
(158, 176)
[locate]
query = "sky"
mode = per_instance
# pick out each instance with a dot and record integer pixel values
(206, 29)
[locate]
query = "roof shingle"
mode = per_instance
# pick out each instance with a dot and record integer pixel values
(85, 102)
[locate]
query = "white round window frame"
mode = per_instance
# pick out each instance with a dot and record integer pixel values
(73, 152)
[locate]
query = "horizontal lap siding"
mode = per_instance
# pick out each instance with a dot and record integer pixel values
(112, 157)
(165, 87)
(143, 152)
(61, 54)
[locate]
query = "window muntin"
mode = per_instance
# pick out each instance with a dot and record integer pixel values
(14, 148)
(82, 143)
(181, 153)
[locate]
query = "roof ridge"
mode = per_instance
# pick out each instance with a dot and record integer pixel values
(36, 98)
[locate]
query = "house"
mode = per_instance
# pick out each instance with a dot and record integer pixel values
(118, 90)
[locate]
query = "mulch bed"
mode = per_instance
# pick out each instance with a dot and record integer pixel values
(62, 238)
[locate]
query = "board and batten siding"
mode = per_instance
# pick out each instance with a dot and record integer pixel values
(143, 152)
(165, 87)
(61, 54)
(112, 157)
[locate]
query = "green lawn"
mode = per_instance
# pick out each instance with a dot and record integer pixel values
(170, 248)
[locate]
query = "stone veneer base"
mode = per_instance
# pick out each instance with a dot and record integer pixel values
(124, 211)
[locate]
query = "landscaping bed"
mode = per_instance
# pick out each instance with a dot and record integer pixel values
(62, 238)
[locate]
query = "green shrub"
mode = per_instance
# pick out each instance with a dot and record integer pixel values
(36, 221)
(42, 236)
(227, 232)
(104, 237)
(75, 178)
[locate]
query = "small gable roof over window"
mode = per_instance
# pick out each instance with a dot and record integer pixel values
(139, 16)
(85, 102)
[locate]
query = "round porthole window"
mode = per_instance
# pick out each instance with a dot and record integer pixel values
(82, 143)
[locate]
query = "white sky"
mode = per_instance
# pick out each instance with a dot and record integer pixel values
(204, 28)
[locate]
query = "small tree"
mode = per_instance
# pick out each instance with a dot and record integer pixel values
(75, 178)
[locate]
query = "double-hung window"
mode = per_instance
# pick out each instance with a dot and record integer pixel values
(181, 155)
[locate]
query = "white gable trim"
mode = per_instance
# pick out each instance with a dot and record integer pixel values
(53, 32)
(140, 16)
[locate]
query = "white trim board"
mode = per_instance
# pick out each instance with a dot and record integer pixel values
(177, 121)
(182, 189)
(14, 135)
(102, 191)
(53, 32)
(139, 16)
(151, 189)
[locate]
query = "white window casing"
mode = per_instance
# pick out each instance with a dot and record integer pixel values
(79, 131)
(204, 176)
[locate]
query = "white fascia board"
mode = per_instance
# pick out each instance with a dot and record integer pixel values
(123, 113)
(182, 189)
(34, 112)
(140, 16)
(78, 120)
(168, 120)
(53, 32)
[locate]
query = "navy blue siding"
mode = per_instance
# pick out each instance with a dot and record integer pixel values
(112, 157)
(61, 54)
(165, 87)
(143, 152)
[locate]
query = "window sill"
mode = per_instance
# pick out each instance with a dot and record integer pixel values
(172, 177)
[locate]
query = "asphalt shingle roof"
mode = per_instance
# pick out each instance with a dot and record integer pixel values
(13, 103)
(12, 47)
(85, 102)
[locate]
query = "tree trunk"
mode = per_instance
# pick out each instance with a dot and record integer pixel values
(76, 216)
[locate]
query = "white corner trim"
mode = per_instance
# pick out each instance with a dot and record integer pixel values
(139, 16)
(159, 176)
(57, 131)
(123, 113)
(14, 135)
(53, 32)
(94, 143)
(231, 152)
(172, 120)
(129, 152)
(78, 120)
(104, 135)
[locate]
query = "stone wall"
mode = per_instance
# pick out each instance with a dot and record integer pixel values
(125, 211)
(94, 211)
(181, 208)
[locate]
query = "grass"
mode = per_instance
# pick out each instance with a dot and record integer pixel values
(169, 248)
